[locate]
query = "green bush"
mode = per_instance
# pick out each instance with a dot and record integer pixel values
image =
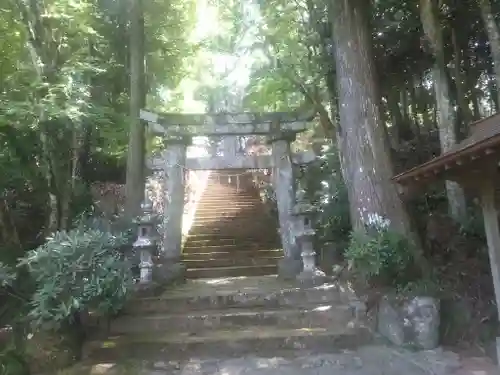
(12, 362)
(325, 187)
(77, 271)
(380, 256)
(6, 275)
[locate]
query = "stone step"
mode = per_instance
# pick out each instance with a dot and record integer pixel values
(235, 214)
(235, 271)
(254, 341)
(244, 249)
(230, 205)
(267, 292)
(224, 202)
(201, 245)
(206, 320)
(238, 221)
(223, 251)
(214, 190)
(228, 210)
(266, 240)
(233, 261)
(224, 198)
(217, 216)
(216, 252)
(256, 225)
(233, 238)
(226, 195)
(233, 231)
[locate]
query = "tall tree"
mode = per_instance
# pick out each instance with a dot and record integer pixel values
(134, 188)
(429, 13)
(363, 146)
(493, 33)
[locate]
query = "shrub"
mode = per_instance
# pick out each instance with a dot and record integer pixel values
(77, 271)
(12, 362)
(325, 187)
(381, 256)
(6, 275)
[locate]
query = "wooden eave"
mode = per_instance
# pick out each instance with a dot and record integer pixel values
(482, 144)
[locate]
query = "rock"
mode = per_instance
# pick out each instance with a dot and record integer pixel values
(411, 322)
(311, 278)
(289, 268)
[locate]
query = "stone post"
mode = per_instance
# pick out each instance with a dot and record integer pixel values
(283, 184)
(304, 232)
(171, 267)
(145, 243)
(230, 145)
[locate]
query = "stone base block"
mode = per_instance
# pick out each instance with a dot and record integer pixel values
(311, 278)
(413, 322)
(496, 354)
(493, 350)
(289, 268)
(169, 271)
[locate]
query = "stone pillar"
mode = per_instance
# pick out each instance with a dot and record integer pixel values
(175, 161)
(492, 229)
(230, 145)
(283, 184)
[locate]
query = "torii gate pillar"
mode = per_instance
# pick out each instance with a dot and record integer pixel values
(284, 186)
(170, 257)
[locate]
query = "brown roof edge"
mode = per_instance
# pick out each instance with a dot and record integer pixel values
(439, 161)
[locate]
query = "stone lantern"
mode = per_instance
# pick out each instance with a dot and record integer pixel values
(145, 244)
(303, 213)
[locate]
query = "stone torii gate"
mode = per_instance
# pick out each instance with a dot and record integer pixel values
(280, 130)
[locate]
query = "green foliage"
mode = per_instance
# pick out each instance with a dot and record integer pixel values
(289, 64)
(473, 225)
(325, 187)
(423, 287)
(380, 256)
(76, 271)
(7, 275)
(122, 228)
(12, 362)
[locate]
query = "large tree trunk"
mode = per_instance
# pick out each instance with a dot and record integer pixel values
(445, 113)
(397, 120)
(364, 150)
(134, 189)
(494, 38)
(465, 114)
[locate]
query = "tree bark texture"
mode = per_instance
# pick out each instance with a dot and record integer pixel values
(445, 112)
(463, 102)
(134, 187)
(364, 149)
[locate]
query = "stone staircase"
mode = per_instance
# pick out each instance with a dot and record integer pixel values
(232, 305)
(233, 317)
(231, 234)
